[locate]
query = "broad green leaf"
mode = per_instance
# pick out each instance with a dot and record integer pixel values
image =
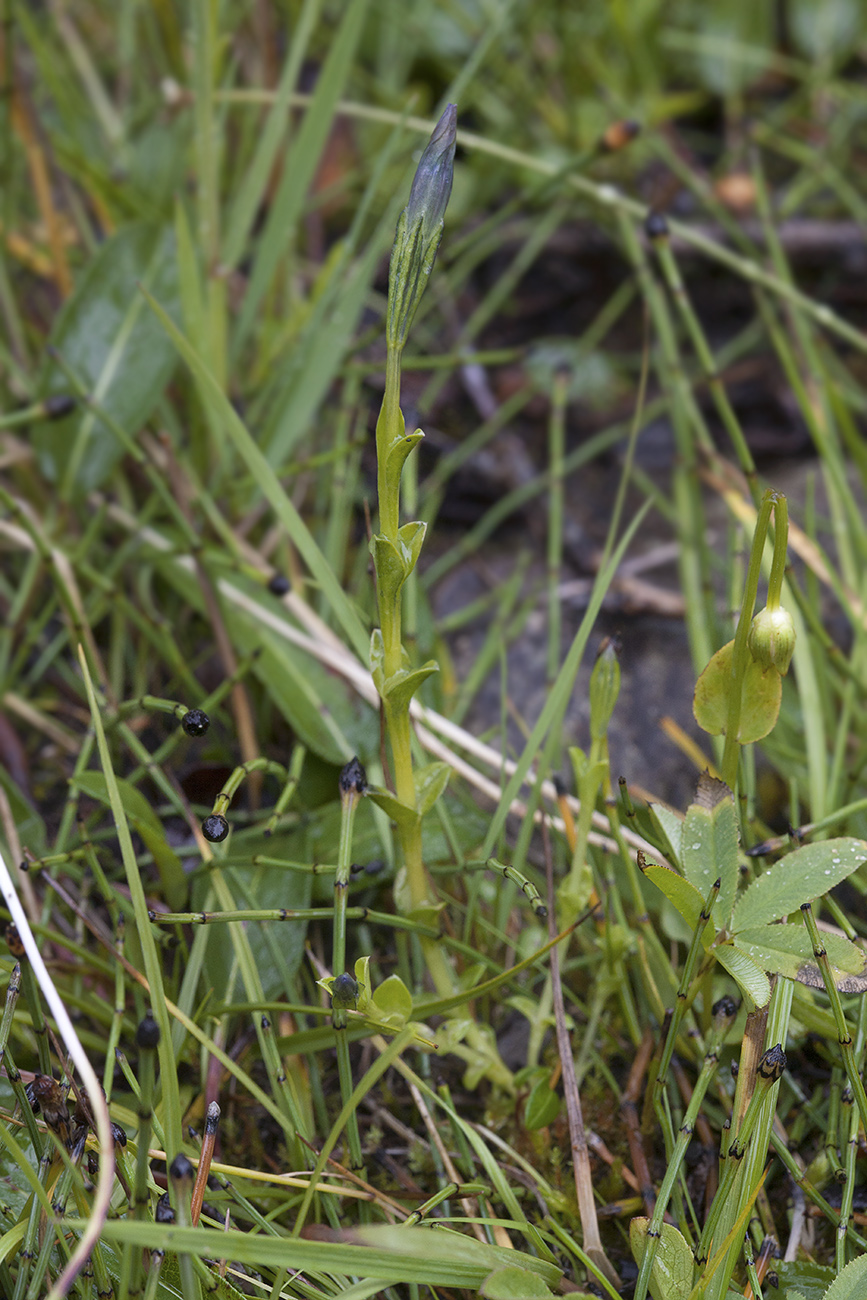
(671, 1274)
(851, 1284)
(748, 976)
(803, 1277)
(787, 950)
(760, 697)
(393, 998)
(669, 826)
(515, 1284)
(145, 821)
(709, 846)
(117, 352)
(430, 781)
(542, 1107)
(683, 895)
(798, 878)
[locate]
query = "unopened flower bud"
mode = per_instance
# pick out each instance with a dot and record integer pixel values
(420, 228)
(604, 687)
(772, 639)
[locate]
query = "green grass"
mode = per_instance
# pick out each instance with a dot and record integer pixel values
(197, 204)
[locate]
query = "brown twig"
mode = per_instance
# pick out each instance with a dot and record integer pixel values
(580, 1154)
(629, 1111)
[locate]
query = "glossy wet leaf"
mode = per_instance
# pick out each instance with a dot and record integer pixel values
(118, 352)
(786, 950)
(760, 697)
(668, 825)
(804, 1277)
(671, 1274)
(799, 877)
(709, 845)
(747, 974)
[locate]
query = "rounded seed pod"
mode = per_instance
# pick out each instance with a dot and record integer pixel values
(147, 1036)
(344, 992)
(215, 828)
(655, 226)
(195, 722)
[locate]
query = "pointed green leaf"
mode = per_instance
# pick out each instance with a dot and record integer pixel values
(430, 781)
(399, 812)
(749, 977)
(395, 458)
(401, 686)
(797, 878)
(787, 950)
(682, 894)
(671, 1275)
(391, 570)
(411, 537)
(542, 1108)
(760, 697)
(669, 826)
(709, 847)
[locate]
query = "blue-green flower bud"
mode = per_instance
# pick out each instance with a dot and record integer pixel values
(772, 639)
(420, 228)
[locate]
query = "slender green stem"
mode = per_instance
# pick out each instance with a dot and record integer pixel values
(770, 1071)
(181, 1186)
(850, 1064)
(724, 1012)
(686, 978)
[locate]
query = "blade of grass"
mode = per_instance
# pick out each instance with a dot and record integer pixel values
(558, 698)
(268, 483)
(153, 966)
(300, 166)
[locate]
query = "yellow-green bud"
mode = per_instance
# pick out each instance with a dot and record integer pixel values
(420, 228)
(604, 687)
(772, 639)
